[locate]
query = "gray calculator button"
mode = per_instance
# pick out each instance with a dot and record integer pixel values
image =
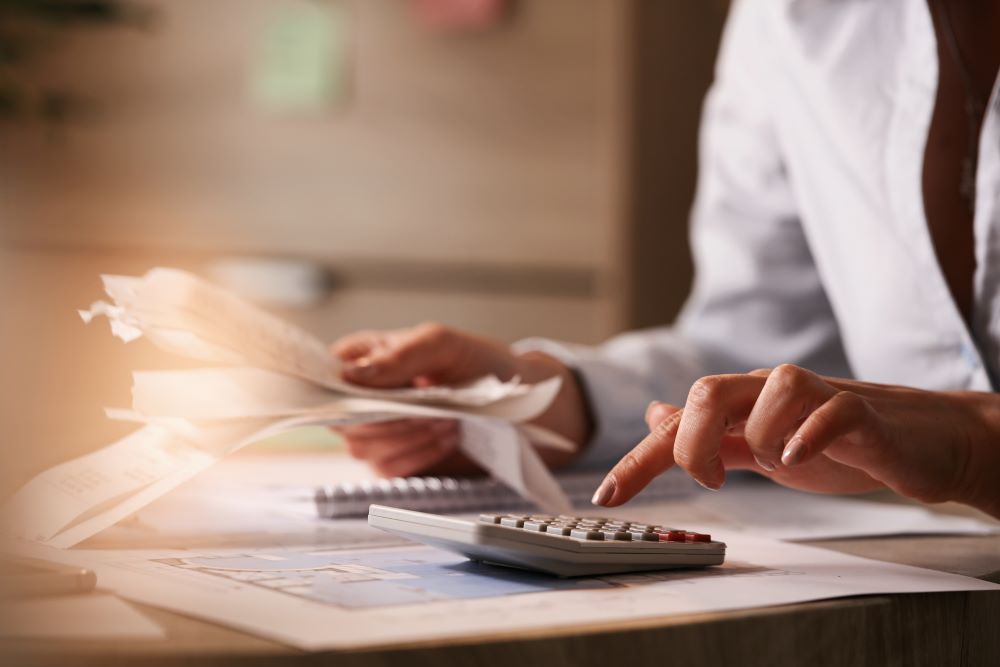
(553, 529)
(584, 534)
(512, 521)
(617, 535)
(489, 518)
(640, 535)
(538, 526)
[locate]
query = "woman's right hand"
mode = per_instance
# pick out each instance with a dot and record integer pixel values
(432, 354)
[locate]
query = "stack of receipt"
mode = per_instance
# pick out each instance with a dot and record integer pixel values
(269, 376)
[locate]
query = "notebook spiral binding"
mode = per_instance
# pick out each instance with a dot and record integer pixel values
(456, 495)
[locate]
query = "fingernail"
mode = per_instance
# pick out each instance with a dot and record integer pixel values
(362, 368)
(794, 451)
(604, 492)
(649, 408)
(766, 465)
(710, 485)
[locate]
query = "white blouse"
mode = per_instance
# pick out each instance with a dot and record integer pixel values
(810, 240)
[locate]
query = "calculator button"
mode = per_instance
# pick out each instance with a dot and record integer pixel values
(489, 518)
(512, 521)
(673, 536)
(558, 530)
(537, 526)
(584, 534)
(617, 535)
(699, 537)
(641, 536)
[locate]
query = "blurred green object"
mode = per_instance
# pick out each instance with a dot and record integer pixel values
(307, 438)
(302, 60)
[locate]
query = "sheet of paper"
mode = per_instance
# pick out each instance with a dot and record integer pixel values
(188, 316)
(91, 616)
(244, 392)
(193, 418)
(753, 505)
(78, 499)
(324, 597)
(266, 500)
(77, 490)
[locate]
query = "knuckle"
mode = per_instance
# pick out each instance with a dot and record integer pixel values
(629, 463)
(790, 378)
(706, 392)
(433, 332)
(667, 428)
(852, 405)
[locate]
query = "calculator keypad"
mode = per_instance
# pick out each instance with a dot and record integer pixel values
(589, 529)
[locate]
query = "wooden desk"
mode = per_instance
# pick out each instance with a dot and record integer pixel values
(911, 629)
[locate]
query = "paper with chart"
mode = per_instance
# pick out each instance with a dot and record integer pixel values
(91, 616)
(283, 378)
(325, 597)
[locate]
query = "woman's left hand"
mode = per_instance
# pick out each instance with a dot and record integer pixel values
(822, 434)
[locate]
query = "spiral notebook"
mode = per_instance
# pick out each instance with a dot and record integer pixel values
(451, 495)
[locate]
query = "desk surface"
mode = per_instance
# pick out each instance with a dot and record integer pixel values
(909, 629)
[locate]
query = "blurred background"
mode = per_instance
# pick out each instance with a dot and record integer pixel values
(514, 168)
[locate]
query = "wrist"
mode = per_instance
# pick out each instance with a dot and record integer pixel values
(569, 414)
(979, 483)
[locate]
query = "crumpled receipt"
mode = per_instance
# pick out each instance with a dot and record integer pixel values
(274, 377)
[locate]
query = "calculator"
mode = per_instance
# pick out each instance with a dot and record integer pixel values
(566, 546)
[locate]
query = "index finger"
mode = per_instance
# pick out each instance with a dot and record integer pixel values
(650, 458)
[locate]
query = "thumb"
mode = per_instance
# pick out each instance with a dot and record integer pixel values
(429, 350)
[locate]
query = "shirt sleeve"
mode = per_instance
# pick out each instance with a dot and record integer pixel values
(757, 299)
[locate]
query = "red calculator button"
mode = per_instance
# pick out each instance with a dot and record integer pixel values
(673, 536)
(699, 537)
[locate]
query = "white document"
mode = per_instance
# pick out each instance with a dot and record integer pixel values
(287, 379)
(316, 598)
(75, 500)
(90, 616)
(767, 509)
(267, 499)
(74, 493)
(242, 393)
(188, 316)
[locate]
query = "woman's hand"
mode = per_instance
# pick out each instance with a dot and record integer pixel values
(822, 434)
(432, 354)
